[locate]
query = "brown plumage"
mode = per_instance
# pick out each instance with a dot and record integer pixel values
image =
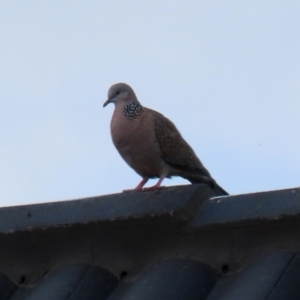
(151, 144)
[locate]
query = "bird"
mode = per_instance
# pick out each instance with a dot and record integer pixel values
(151, 144)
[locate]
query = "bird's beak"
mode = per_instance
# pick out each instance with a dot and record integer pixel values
(107, 102)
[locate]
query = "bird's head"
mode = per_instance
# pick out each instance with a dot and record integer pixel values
(120, 93)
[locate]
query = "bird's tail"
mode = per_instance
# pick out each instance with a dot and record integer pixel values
(201, 175)
(219, 191)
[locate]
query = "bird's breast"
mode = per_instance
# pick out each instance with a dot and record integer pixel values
(136, 142)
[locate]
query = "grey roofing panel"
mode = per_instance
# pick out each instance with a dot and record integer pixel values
(255, 282)
(249, 208)
(288, 285)
(168, 280)
(20, 294)
(7, 288)
(272, 277)
(173, 243)
(173, 280)
(75, 282)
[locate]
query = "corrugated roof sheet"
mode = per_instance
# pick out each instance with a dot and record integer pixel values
(173, 243)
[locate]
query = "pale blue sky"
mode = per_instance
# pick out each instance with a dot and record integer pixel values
(227, 73)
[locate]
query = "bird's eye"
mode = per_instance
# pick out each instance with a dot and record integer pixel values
(117, 92)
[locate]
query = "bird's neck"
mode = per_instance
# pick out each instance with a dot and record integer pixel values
(133, 110)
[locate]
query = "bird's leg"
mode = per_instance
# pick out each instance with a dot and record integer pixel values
(139, 187)
(156, 186)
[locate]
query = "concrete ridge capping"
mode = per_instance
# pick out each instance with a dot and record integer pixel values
(179, 202)
(193, 203)
(249, 209)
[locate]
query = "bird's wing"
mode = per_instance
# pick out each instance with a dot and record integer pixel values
(174, 149)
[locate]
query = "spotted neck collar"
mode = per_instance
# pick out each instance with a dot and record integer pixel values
(133, 110)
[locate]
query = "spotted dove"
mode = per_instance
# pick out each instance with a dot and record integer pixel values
(151, 144)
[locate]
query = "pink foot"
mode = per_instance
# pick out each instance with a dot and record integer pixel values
(156, 186)
(151, 188)
(139, 187)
